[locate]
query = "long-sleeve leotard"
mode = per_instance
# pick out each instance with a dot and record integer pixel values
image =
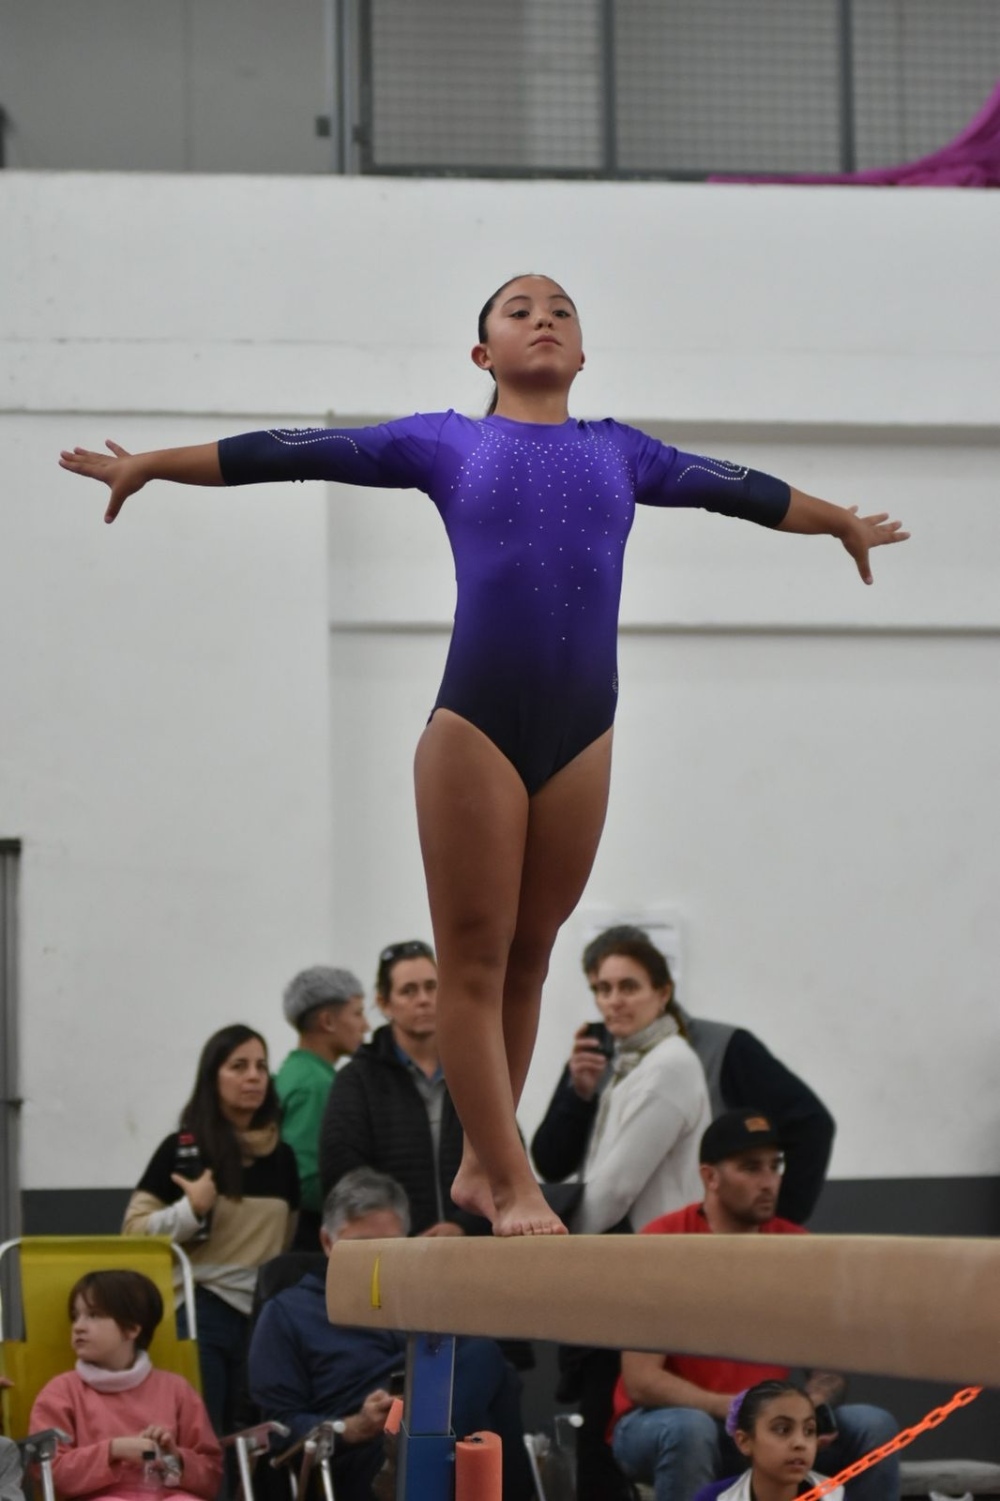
(537, 516)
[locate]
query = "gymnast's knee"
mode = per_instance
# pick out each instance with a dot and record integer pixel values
(475, 951)
(528, 960)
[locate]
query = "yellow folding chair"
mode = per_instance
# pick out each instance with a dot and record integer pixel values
(48, 1266)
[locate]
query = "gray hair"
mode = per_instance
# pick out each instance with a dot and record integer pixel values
(318, 986)
(360, 1192)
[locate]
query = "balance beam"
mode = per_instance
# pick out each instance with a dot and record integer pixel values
(887, 1305)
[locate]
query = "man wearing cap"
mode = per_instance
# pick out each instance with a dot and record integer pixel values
(327, 1009)
(670, 1410)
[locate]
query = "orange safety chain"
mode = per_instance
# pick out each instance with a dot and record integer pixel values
(960, 1399)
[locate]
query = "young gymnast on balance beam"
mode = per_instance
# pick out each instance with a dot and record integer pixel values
(513, 767)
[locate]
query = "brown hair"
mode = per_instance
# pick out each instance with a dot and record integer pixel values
(634, 944)
(129, 1298)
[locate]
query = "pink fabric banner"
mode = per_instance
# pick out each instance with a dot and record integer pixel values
(971, 160)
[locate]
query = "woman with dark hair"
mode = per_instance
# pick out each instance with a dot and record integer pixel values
(225, 1186)
(132, 1428)
(512, 770)
(642, 1157)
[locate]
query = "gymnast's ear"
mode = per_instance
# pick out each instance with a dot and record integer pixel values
(481, 357)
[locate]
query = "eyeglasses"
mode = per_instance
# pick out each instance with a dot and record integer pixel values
(413, 948)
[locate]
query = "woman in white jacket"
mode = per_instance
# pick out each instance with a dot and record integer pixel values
(642, 1159)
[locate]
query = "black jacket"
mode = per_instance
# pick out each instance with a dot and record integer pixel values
(375, 1117)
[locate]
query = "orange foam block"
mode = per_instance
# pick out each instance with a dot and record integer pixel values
(479, 1468)
(395, 1418)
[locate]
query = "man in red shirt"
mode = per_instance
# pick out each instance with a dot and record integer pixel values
(670, 1410)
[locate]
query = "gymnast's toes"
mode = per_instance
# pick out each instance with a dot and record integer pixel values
(524, 1220)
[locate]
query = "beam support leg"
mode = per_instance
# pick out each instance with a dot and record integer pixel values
(425, 1464)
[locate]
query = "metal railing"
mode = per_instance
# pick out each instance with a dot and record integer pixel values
(655, 88)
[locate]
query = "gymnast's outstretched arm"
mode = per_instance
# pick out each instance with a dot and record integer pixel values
(392, 455)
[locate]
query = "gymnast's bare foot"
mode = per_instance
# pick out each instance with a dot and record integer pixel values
(470, 1189)
(525, 1212)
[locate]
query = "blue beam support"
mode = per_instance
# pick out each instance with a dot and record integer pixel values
(426, 1453)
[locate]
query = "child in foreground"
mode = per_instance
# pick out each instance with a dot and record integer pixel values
(774, 1426)
(132, 1427)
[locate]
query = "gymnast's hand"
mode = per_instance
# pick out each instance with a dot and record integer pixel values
(863, 533)
(810, 516)
(122, 471)
(125, 473)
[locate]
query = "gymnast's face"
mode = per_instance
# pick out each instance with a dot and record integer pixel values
(533, 336)
(626, 996)
(782, 1446)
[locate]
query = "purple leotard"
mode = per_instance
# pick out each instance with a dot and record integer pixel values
(537, 516)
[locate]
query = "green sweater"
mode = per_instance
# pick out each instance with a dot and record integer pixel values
(303, 1082)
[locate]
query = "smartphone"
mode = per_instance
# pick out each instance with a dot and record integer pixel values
(397, 1384)
(825, 1421)
(599, 1032)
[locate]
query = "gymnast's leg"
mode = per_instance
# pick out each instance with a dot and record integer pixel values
(565, 819)
(502, 874)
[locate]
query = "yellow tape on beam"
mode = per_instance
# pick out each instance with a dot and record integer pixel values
(899, 1306)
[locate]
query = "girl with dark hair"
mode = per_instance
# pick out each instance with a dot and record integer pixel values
(512, 770)
(226, 1188)
(773, 1425)
(131, 1427)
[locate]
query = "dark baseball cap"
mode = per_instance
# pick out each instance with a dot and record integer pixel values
(737, 1131)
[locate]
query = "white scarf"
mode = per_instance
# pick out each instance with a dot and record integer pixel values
(741, 1490)
(629, 1053)
(103, 1380)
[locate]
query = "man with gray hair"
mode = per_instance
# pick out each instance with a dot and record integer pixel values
(303, 1369)
(327, 1008)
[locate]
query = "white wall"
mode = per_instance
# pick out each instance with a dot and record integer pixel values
(805, 769)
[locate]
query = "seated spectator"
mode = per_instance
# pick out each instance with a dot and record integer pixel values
(774, 1426)
(226, 1188)
(327, 1009)
(642, 1154)
(303, 1369)
(739, 1071)
(391, 1109)
(117, 1409)
(669, 1410)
